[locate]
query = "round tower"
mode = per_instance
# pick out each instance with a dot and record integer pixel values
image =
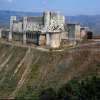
(0, 32)
(24, 24)
(24, 29)
(46, 19)
(12, 19)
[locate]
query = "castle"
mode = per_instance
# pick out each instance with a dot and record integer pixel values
(47, 30)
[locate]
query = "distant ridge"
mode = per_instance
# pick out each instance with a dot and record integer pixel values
(5, 15)
(92, 21)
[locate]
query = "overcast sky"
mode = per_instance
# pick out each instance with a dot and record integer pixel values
(67, 7)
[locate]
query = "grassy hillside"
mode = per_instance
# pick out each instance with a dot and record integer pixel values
(23, 70)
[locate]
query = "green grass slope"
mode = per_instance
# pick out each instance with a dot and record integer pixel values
(24, 70)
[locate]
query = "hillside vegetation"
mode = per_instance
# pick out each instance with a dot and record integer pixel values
(24, 70)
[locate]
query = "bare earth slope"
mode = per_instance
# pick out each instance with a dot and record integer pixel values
(22, 67)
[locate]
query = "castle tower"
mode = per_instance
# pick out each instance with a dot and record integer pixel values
(0, 33)
(58, 16)
(55, 40)
(46, 19)
(12, 19)
(24, 29)
(77, 32)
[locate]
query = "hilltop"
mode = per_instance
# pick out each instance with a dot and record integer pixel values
(23, 68)
(91, 21)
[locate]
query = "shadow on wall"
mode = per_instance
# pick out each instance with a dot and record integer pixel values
(89, 35)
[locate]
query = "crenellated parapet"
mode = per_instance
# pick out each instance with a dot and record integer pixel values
(49, 22)
(53, 22)
(12, 19)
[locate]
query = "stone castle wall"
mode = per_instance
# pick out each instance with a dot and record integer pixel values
(77, 32)
(49, 29)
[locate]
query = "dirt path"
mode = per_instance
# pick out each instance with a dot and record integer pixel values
(22, 61)
(6, 61)
(27, 60)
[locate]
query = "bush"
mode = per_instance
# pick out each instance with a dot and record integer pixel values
(28, 94)
(87, 89)
(48, 94)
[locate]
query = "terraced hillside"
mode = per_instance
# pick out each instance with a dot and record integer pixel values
(24, 68)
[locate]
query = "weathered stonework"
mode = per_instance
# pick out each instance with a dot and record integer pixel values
(12, 19)
(24, 38)
(0, 33)
(74, 31)
(77, 32)
(55, 40)
(47, 30)
(50, 22)
(42, 40)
